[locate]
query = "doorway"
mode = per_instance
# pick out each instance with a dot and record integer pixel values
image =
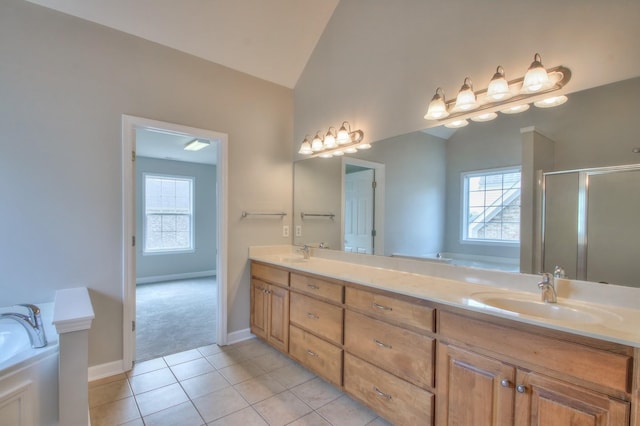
(175, 238)
(363, 206)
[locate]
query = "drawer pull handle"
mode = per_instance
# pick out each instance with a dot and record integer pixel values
(381, 344)
(381, 394)
(313, 286)
(505, 383)
(521, 388)
(312, 316)
(311, 353)
(381, 307)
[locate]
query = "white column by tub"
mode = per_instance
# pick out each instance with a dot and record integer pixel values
(72, 316)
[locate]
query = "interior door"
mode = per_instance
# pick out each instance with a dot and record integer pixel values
(359, 211)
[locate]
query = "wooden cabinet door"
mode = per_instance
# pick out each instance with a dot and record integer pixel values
(278, 317)
(473, 389)
(541, 400)
(259, 308)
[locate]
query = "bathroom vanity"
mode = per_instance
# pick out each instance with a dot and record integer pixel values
(413, 349)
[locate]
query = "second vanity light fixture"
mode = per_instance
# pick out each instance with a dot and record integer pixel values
(344, 141)
(508, 97)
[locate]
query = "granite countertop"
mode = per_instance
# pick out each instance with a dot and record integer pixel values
(608, 322)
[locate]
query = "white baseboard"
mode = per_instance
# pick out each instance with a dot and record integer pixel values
(171, 277)
(105, 370)
(239, 336)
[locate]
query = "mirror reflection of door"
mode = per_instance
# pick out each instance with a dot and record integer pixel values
(359, 211)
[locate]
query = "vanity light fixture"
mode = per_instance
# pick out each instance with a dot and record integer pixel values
(196, 145)
(344, 141)
(539, 86)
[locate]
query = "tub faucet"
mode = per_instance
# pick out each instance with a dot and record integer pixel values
(547, 286)
(32, 322)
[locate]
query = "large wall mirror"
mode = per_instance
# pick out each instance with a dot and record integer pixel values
(426, 183)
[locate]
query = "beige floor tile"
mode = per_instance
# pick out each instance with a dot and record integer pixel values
(253, 348)
(272, 360)
(184, 414)
(311, 419)
(204, 384)
(292, 375)
(241, 372)
(181, 357)
(345, 411)
(209, 350)
(161, 398)
(218, 404)
(147, 366)
(115, 413)
(106, 380)
(247, 416)
(316, 392)
(192, 368)
(259, 388)
(282, 408)
(379, 421)
(152, 380)
(109, 392)
(227, 357)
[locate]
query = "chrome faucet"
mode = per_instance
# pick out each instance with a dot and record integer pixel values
(32, 322)
(547, 286)
(306, 251)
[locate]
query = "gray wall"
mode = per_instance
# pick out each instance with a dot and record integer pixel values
(203, 258)
(65, 84)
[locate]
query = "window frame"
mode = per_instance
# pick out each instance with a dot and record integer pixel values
(154, 252)
(464, 223)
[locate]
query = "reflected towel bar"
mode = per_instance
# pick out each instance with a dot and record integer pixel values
(281, 214)
(330, 215)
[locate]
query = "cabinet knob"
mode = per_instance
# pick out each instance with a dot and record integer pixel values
(505, 383)
(521, 388)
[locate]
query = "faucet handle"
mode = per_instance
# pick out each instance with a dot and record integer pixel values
(546, 280)
(558, 272)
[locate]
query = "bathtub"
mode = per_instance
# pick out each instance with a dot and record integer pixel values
(470, 261)
(28, 377)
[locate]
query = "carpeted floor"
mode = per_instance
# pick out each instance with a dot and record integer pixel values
(175, 316)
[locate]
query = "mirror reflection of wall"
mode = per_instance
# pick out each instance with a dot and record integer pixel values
(424, 198)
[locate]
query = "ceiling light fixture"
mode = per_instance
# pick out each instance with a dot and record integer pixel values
(196, 145)
(344, 141)
(539, 86)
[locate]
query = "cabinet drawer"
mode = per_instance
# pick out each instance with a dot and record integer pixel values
(318, 287)
(270, 274)
(402, 352)
(569, 359)
(398, 401)
(322, 357)
(413, 314)
(322, 318)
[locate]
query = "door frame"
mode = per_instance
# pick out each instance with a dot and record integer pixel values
(129, 125)
(379, 196)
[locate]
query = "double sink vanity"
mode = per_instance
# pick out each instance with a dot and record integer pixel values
(434, 344)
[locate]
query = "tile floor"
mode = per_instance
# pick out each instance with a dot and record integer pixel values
(248, 383)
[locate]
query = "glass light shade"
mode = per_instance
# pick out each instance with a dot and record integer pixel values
(498, 89)
(515, 109)
(466, 99)
(487, 116)
(437, 107)
(456, 124)
(326, 155)
(551, 102)
(350, 150)
(329, 140)
(343, 135)
(338, 153)
(363, 145)
(536, 77)
(305, 147)
(316, 144)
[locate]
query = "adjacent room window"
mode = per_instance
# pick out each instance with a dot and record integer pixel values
(492, 206)
(168, 218)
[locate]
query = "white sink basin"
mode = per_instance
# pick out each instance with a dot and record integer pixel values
(292, 259)
(528, 305)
